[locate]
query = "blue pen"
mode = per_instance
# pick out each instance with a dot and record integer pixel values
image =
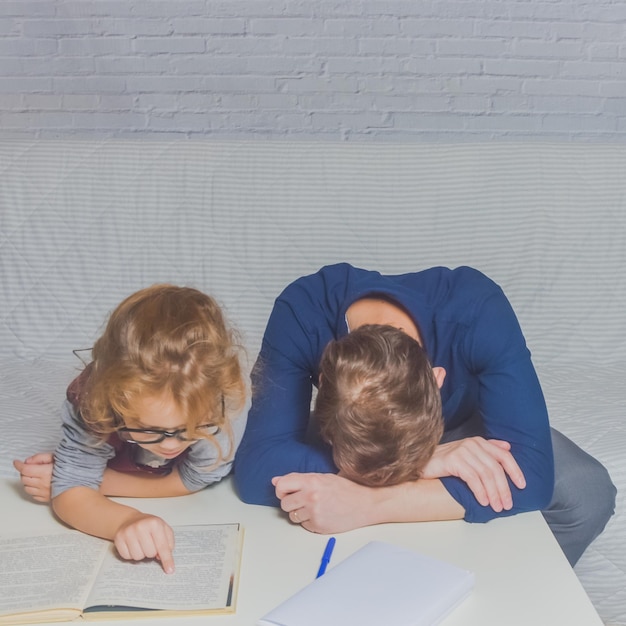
(328, 551)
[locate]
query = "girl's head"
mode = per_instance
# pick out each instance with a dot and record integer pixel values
(167, 360)
(379, 405)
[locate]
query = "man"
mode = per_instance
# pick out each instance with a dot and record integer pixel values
(496, 455)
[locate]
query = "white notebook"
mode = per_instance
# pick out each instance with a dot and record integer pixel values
(379, 584)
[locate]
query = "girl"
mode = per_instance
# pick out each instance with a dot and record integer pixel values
(158, 412)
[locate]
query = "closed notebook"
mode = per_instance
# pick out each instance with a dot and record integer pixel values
(379, 584)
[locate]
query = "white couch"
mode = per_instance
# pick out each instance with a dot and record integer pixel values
(82, 224)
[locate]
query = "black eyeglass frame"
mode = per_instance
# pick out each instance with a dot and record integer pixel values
(161, 435)
(126, 433)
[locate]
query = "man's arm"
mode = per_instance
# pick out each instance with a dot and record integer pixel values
(512, 409)
(485, 465)
(329, 503)
(274, 442)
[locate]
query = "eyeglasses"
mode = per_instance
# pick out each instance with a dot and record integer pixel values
(156, 435)
(153, 435)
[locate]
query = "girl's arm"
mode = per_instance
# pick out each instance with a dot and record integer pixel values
(36, 475)
(136, 535)
(142, 485)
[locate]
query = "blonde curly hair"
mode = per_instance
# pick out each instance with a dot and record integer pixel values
(165, 339)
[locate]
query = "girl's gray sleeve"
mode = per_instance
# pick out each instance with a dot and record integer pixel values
(199, 467)
(80, 458)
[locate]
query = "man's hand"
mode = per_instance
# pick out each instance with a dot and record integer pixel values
(36, 475)
(146, 536)
(325, 503)
(483, 464)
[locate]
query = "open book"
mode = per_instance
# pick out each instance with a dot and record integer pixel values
(379, 584)
(61, 576)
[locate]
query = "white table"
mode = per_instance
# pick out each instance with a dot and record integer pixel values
(522, 577)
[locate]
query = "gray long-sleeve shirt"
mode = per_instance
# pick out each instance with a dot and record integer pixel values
(81, 457)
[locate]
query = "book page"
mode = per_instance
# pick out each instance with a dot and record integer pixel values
(47, 571)
(206, 559)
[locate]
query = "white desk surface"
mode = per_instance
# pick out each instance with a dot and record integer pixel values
(522, 577)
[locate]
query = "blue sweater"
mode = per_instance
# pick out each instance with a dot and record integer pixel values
(467, 326)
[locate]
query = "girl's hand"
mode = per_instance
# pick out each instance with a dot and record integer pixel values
(36, 475)
(146, 537)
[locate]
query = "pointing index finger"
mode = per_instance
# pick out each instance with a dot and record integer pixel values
(167, 561)
(165, 548)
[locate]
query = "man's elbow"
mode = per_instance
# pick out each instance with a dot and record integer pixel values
(252, 489)
(540, 486)
(536, 496)
(543, 495)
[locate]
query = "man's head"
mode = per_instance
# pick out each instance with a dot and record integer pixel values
(379, 405)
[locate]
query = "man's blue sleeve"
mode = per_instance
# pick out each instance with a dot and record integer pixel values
(274, 442)
(512, 406)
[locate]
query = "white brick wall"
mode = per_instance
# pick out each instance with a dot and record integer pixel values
(404, 70)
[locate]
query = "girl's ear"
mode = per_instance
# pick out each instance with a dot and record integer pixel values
(440, 375)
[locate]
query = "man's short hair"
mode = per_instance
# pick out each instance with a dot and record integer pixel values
(379, 405)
